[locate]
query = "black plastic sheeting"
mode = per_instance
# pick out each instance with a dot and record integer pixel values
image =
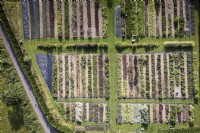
(118, 21)
(44, 62)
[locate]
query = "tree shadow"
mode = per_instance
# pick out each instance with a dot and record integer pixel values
(15, 117)
(178, 49)
(145, 126)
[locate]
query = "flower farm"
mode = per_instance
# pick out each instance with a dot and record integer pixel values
(84, 112)
(81, 76)
(156, 75)
(116, 66)
(155, 18)
(64, 19)
(129, 113)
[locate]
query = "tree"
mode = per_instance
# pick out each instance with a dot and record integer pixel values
(12, 97)
(109, 3)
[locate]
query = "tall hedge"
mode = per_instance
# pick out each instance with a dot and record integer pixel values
(30, 74)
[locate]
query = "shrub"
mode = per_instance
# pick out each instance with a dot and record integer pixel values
(98, 45)
(109, 3)
(129, 45)
(79, 129)
(179, 44)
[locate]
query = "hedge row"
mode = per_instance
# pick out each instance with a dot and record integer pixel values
(183, 130)
(30, 74)
(179, 44)
(100, 45)
(49, 46)
(129, 45)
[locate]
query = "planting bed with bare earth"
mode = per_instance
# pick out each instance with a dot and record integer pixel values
(64, 19)
(81, 76)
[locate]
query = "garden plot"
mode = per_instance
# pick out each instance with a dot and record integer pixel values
(64, 19)
(84, 112)
(155, 18)
(129, 113)
(81, 76)
(45, 64)
(156, 75)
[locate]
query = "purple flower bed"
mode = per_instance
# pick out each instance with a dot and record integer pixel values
(25, 19)
(44, 62)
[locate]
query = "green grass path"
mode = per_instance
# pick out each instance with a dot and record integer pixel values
(112, 68)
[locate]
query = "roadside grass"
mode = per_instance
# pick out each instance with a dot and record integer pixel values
(13, 11)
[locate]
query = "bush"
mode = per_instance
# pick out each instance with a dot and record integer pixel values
(183, 130)
(48, 46)
(109, 3)
(98, 45)
(129, 45)
(179, 44)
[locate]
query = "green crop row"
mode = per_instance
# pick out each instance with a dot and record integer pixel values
(179, 44)
(66, 20)
(59, 19)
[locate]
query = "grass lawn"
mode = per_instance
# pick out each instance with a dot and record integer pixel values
(11, 118)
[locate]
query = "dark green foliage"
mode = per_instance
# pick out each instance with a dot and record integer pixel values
(153, 76)
(109, 3)
(54, 75)
(31, 76)
(66, 20)
(129, 19)
(74, 19)
(83, 74)
(171, 67)
(67, 111)
(147, 78)
(66, 76)
(11, 97)
(179, 44)
(141, 18)
(179, 31)
(95, 76)
(172, 115)
(134, 45)
(106, 80)
(59, 19)
(89, 45)
(105, 22)
(183, 130)
(89, 78)
(14, 96)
